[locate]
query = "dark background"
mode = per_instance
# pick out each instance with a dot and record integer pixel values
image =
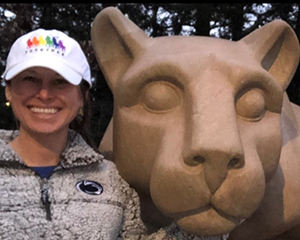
(230, 21)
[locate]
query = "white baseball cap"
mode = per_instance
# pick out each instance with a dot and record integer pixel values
(52, 49)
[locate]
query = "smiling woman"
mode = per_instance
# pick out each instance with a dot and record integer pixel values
(47, 170)
(43, 101)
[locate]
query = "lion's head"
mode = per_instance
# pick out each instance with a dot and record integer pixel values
(196, 119)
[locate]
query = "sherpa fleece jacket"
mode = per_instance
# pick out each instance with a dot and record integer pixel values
(84, 199)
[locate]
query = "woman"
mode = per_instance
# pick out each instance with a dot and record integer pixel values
(53, 185)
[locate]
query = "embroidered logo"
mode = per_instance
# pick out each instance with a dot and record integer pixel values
(89, 187)
(40, 43)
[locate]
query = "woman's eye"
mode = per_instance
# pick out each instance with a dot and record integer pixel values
(160, 97)
(60, 82)
(251, 105)
(30, 79)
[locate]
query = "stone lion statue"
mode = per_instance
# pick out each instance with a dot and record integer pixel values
(203, 128)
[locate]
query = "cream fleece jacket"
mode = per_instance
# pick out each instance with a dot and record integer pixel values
(102, 207)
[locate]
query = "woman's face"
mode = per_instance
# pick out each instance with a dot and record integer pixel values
(43, 101)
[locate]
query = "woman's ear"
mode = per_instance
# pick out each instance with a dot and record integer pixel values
(83, 93)
(81, 102)
(84, 98)
(7, 93)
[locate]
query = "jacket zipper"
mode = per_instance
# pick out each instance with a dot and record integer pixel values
(45, 198)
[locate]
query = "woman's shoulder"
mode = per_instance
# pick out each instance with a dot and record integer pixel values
(109, 173)
(78, 152)
(7, 136)
(6, 153)
(110, 170)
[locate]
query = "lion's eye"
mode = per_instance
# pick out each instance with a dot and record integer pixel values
(251, 105)
(160, 97)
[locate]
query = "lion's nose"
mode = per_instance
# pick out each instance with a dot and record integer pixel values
(212, 134)
(233, 162)
(216, 165)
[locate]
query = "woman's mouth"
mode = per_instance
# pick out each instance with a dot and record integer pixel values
(44, 110)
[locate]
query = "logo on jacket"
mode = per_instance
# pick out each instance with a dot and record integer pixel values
(89, 187)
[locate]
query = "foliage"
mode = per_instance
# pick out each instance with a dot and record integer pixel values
(230, 21)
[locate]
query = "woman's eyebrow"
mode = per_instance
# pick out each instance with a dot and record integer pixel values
(29, 71)
(60, 76)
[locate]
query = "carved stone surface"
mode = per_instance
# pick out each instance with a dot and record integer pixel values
(203, 128)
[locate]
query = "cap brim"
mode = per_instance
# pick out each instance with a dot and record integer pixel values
(52, 63)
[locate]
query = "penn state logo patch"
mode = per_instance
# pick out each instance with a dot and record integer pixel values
(89, 187)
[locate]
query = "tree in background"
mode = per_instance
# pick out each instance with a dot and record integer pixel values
(229, 21)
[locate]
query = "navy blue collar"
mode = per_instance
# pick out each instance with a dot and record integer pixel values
(44, 172)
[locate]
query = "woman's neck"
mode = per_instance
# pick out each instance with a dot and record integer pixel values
(39, 149)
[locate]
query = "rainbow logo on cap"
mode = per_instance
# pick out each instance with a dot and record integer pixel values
(48, 43)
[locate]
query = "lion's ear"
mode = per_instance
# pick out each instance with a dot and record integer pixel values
(276, 46)
(116, 41)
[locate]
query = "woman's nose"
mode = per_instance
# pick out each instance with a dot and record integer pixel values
(45, 93)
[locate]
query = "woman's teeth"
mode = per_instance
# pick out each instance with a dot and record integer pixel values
(44, 110)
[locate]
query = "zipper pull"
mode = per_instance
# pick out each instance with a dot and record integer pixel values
(45, 199)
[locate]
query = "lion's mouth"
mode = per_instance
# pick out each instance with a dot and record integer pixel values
(207, 221)
(237, 221)
(176, 216)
